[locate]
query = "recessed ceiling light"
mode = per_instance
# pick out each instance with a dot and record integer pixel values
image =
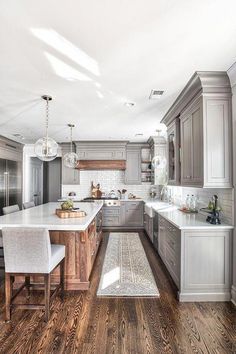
(129, 104)
(155, 94)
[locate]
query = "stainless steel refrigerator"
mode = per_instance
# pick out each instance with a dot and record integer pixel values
(10, 183)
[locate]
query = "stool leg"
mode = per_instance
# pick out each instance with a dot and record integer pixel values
(62, 274)
(47, 296)
(27, 283)
(8, 296)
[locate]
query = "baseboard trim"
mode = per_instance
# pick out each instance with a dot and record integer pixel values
(233, 295)
(204, 297)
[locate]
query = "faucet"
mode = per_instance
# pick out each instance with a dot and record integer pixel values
(164, 192)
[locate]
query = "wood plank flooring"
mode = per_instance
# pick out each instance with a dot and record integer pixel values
(86, 324)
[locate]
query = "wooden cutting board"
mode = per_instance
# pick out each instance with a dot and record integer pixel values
(65, 214)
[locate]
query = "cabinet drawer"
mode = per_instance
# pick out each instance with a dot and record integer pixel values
(111, 212)
(111, 221)
(133, 205)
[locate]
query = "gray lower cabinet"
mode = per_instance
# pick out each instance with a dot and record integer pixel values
(133, 213)
(128, 214)
(169, 238)
(68, 175)
(198, 260)
(111, 216)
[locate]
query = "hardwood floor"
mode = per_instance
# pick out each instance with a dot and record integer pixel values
(86, 324)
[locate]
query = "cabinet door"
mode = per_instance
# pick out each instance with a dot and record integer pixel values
(217, 143)
(192, 145)
(133, 167)
(173, 147)
(186, 149)
(134, 214)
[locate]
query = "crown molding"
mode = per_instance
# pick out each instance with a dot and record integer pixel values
(202, 82)
(232, 74)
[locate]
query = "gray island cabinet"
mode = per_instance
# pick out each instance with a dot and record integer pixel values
(197, 256)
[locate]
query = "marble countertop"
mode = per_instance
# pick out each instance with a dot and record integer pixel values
(44, 216)
(185, 221)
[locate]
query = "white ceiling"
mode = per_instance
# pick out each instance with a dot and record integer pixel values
(94, 55)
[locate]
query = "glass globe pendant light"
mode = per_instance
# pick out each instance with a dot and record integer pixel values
(71, 158)
(46, 148)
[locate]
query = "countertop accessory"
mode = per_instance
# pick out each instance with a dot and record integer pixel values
(214, 211)
(112, 194)
(188, 211)
(67, 205)
(65, 214)
(71, 158)
(46, 148)
(95, 190)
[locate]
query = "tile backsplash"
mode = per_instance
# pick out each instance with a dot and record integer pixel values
(115, 180)
(108, 180)
(226, 199)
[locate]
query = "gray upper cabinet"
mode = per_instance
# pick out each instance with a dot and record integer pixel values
(101, 150)
(68, 175)
(204, 110)
(173, 154)
(192, 142)
(133, 164)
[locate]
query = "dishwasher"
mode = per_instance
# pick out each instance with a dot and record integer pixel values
(155, 230)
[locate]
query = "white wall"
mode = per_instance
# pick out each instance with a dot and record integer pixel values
(232, 76)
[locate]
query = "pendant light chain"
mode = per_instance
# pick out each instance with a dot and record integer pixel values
(71, 138)
(47, 118)
(46, 148)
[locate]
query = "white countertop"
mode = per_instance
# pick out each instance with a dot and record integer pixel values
(44, 216)
(188, 221)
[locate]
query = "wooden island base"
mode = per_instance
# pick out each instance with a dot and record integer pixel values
(81, 250)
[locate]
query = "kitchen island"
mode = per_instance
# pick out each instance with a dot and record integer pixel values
(81, 236)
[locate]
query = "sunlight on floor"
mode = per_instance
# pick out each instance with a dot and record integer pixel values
(111, 277)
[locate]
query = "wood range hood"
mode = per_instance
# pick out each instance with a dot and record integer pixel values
(101, 165)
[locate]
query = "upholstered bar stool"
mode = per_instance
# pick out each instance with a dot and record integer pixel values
(28, 205)
(10, 209)
(27, 252)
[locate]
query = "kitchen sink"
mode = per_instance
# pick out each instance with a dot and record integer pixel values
(150, 207)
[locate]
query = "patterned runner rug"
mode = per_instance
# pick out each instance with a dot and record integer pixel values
(126, 271)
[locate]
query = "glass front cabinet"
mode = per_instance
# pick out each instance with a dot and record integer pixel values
(173, 147)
